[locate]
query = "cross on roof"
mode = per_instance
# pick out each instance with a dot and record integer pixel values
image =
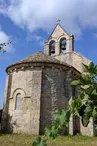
(58, 21)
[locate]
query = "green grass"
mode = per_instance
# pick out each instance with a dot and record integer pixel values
(26, 140)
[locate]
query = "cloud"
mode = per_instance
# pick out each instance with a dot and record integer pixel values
(39, 39)
(4, 38)
(41, 14)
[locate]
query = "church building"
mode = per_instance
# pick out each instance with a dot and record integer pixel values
(41, 83)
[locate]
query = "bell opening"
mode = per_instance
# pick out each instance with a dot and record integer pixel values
(52, 47)
(62, 45)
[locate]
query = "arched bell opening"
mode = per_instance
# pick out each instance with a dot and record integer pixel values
(52, 48)
(63, 45)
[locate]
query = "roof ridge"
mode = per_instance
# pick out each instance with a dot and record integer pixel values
(39, 53)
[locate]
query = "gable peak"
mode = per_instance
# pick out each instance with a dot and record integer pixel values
(58, 31)
(59, 41)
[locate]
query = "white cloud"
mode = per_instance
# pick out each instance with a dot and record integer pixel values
(31, 37)
(39, 39)
(76, 15)
(4, 38)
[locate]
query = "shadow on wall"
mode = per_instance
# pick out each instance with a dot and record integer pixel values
(7, 126)
(1, 110)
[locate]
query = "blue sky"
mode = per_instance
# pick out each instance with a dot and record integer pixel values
(28, 24)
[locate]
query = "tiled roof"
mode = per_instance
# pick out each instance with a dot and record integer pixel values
(39, 57)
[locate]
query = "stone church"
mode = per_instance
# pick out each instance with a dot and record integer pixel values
(41, 83)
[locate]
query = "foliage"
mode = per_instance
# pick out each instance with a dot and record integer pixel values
(39, 142)
(2, 45)
(84, 106)
(88, 84)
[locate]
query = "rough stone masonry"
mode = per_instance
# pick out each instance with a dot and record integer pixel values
(41, 83)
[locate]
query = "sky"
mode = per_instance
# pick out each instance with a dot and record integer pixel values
(28, 23)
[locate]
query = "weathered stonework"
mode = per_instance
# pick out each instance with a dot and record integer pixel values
(54, 95)
(28, 84)
(43, 80)
(74, 59)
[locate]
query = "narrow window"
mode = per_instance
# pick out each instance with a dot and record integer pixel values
(18, 101)
(73, 92)
(63, 45)
(52, 48)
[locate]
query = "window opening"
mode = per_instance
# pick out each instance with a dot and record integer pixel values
(18, 101)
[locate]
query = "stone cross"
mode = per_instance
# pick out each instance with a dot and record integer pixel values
(58, 21)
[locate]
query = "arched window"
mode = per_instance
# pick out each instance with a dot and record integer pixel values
(18, 101)
(63, 45)
(52, 48)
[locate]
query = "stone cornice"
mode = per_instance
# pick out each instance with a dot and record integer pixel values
(33, 65)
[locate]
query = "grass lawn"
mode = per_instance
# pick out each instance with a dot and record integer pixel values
(26, 140)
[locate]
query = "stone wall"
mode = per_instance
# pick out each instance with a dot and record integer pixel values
(28, 84)
(55, 94)
(6, 103)
(43, 90)
(89, 130)
(74, 59)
